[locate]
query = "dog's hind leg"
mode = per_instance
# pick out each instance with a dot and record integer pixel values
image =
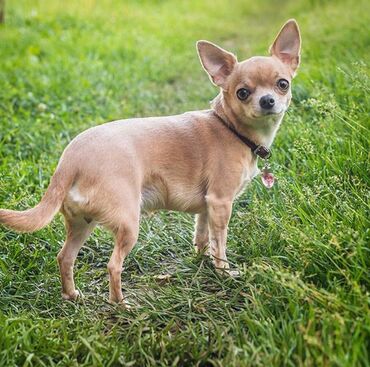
(126, 235)
(78, 229)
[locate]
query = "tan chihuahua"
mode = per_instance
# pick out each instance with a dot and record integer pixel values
(197, 162)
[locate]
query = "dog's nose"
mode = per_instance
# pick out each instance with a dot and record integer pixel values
(267, 102)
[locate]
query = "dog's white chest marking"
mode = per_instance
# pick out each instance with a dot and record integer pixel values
(255, 172)
(248, 174)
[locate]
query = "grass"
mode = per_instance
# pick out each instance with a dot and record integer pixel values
(303, 247)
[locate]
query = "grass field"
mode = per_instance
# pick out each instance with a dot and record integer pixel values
(304, 294)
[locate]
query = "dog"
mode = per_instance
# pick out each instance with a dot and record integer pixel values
(197, 162)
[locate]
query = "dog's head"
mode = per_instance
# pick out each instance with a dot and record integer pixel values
(258, 88)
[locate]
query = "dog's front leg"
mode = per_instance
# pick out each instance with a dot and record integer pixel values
(201, 235)
(218, 211)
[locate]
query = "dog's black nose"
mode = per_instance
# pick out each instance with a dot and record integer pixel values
(267, 102)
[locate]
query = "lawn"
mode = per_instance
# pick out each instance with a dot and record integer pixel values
(303, 247)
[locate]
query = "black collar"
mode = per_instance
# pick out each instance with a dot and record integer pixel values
(259, 150)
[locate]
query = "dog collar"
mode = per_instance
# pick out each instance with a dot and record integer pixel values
(261, 151)
(258, 149)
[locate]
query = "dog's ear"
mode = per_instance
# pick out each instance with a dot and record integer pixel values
(287, 45)
(217, 62)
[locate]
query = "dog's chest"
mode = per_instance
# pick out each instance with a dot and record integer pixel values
(250, 170)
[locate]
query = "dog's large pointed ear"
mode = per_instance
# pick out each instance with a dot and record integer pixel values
(217, 62)
(287, 45)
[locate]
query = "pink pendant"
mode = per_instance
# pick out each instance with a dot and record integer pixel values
(268, 178)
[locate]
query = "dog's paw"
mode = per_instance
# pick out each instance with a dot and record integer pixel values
(233, 273)
(120, 303)
(126, 305)
(228, 272)
(72, 296)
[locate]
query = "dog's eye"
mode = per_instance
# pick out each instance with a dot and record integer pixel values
(283, 84)
(243, 94)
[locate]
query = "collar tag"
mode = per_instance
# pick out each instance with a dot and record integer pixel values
(259, 150)
(267, 177)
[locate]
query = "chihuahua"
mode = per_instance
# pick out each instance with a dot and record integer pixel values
(197, 162)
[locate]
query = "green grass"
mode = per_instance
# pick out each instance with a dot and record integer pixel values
(303, 247)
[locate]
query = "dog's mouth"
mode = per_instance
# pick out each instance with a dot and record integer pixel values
(262, 114)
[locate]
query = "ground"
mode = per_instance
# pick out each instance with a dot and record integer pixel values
(302, 247)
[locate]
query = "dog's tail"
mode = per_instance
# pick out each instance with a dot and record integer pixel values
(42, 214)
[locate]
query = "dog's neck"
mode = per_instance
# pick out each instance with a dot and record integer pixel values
(263, 132)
